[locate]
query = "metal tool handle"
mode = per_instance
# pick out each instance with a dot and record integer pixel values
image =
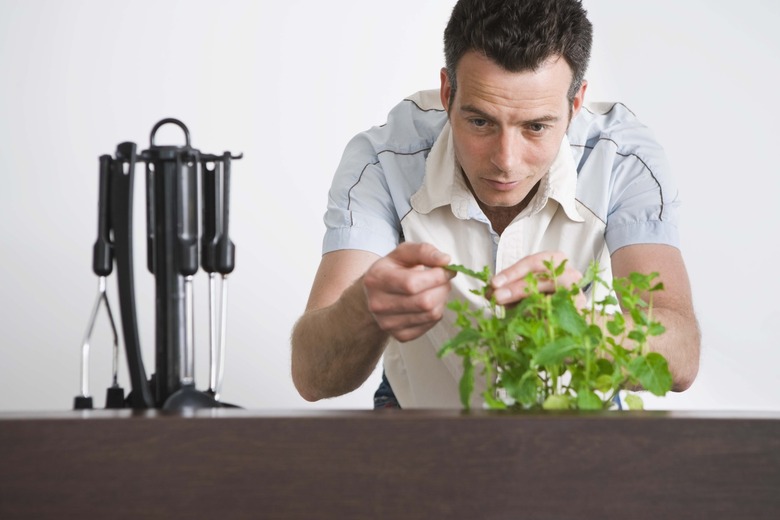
(102, 251)
(217, 250)
(150, 217)
(226, 250)
(211, 204)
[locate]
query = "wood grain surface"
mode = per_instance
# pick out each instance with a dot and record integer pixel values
(394, 464)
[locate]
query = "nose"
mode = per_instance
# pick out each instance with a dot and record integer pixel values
(507, 151)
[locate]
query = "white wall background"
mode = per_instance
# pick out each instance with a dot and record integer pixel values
(288, 83)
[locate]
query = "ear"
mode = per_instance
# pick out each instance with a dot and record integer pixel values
(446, 89)
(579, 99)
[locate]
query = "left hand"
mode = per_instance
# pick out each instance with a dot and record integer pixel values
(509, 286)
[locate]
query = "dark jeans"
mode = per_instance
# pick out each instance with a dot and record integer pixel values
(384, 396)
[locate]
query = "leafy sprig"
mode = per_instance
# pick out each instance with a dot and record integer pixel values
(545, 352)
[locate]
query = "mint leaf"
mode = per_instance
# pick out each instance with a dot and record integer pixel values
(653, 374)
(566, 315)
(556, 402)
(634, 402)
(588, 400)
(467, 382)
(556, 352)
(484, 275)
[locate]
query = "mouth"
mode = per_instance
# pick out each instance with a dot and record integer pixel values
(501, 185)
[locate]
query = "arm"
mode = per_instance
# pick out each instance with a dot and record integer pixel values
(673, 306)
(357, 302)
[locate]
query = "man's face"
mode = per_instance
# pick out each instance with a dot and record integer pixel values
(507, 127)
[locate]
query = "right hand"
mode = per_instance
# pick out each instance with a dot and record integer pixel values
(509, 286)
(407, 290)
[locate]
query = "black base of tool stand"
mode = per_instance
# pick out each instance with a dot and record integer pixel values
(186, 397)
(189, 397)
(115, 398)
(82, 403)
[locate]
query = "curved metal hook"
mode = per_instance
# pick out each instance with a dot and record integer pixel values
(175, 122)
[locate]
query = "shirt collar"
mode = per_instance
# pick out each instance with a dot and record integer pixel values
(444, 183)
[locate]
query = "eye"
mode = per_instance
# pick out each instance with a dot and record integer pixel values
(537, 128)
(478, 122)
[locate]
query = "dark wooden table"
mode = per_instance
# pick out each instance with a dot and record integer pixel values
(230, 463)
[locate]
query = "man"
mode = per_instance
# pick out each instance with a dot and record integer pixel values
(503, 166)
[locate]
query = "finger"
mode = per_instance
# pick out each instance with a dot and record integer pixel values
(410, 334)
(415, 253)
(427, 305)
(569, 277)
(530, 264)
(512, 292)
(406, 282)
(405, 327)
(407, 318)
(398, 274)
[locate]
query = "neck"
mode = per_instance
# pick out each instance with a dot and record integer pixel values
(501, 217)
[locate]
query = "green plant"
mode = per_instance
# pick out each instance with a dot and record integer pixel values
(544, 352)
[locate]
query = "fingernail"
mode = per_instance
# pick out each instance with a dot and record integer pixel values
(498, 280)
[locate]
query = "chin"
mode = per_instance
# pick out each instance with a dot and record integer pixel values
(501, 202)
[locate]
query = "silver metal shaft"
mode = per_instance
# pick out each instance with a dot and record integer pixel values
(222, 336)
(212, 333)
(85, 345)
(188, 357)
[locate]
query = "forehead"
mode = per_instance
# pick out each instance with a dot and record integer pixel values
(481, 80)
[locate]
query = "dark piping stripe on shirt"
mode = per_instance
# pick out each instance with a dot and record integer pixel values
(421, 109)
(360, 177)
(349, 193)
(660, 190)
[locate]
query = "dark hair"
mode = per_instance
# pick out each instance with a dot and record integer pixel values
(520, 35)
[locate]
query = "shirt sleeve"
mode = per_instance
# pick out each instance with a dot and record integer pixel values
(624, 177)
(360, 212)
(644, 203)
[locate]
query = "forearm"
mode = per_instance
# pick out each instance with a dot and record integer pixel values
(336, 348)
(680, 345)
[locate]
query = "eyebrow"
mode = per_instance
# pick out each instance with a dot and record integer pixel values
(550, 118)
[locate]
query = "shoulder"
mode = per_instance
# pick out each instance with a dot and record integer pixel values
(411, 129)
(615, 133)
(426, 100)
(623, 176)
(379, 171)
(413, 124)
